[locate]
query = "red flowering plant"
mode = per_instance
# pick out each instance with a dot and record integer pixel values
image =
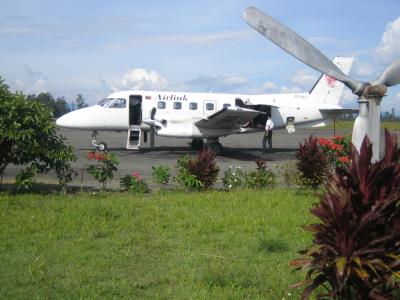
(104, 172)
(134, 183)
(337, 149)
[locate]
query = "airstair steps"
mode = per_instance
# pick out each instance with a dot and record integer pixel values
(134, 137)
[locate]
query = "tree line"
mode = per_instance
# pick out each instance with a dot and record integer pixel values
(58, 106)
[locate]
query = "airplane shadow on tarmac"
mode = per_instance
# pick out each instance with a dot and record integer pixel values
(242, 154)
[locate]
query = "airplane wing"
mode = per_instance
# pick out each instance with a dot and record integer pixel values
(228, 118)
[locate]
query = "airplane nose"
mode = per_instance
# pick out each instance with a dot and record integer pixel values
(75, 119)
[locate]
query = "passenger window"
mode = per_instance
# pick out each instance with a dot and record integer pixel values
(118, 103)
(226, 105)
(161, 105)
(210, 106)
(177, 105)
(193, 106)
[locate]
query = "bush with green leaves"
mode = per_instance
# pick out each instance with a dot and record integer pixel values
(184, 178)
(261, 178)
(204, 167)
(103, 171)
(134, 183)
(161, 174)
(312, 164)
(356, 243)
(289, 173)
(25, 178)
(234, 178)
(28, 136)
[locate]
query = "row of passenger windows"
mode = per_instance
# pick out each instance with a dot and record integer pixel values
(192, 105)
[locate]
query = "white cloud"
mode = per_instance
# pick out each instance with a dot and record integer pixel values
(33, 82)
(304, 78)
(363, 69)
(141, 79)
(389, 48)
(269, 86)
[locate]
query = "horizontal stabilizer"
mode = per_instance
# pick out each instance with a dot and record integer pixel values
(333, 112)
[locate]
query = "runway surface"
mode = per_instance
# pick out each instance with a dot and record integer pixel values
(239, 150)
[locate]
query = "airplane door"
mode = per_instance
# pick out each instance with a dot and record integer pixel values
(135, 110)
(210, 107)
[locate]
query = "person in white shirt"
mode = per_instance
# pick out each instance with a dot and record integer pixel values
(267, 139)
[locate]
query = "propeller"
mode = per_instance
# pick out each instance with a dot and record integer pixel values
(152, 129)
(368, 120)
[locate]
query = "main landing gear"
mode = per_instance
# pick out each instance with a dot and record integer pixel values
(101, 146)
(213, 143)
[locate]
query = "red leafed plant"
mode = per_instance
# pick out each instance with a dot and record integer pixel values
(312, 163)
(356, 245)
(204, 167)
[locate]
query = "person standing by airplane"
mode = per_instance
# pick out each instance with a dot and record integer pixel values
(269, 126)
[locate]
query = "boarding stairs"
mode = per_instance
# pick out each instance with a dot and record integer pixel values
(134, 137)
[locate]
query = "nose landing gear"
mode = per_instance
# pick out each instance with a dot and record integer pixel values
(101, 146)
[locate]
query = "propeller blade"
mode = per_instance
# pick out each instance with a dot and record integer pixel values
(391, 75)
(145, 137)
(298, 47)
(152, 133)
(153, 113)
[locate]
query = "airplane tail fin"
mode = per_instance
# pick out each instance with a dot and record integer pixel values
(327, 89)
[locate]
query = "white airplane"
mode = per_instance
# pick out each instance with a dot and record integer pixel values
(206, 116)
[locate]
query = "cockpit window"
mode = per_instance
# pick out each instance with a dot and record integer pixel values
(118, 103)
(105, 102)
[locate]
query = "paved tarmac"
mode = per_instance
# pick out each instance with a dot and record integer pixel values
(239, 150)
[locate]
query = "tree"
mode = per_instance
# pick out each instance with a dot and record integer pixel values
(80, 102)
(28, 136)
(47, 100)
(61, 107)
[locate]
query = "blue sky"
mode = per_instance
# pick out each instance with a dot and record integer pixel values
(96, 47)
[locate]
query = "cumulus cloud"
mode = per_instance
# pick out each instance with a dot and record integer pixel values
(141, 79)
(389, 48)
(304, 78)
(269, 86)
(33, 82)
(363, 69)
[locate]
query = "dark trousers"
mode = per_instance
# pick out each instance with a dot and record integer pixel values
(267, 139)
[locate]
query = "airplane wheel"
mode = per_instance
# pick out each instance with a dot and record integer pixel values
(102, 146)
(197, 144)
(216, 147)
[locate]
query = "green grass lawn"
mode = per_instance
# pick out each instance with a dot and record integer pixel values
(215, 245)
(391, 126)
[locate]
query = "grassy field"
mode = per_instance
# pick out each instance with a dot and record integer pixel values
(391, 126)
(165, 245)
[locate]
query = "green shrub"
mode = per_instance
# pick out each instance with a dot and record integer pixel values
(161, 174)
(204, 167)
(184, 178)
(312, 164)
(233, 178)
(356, 247)
(134, 183)
(24, 179)
(104, 172)
(337, 149)
(289, 173)
(261, 178)
(199, 173)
